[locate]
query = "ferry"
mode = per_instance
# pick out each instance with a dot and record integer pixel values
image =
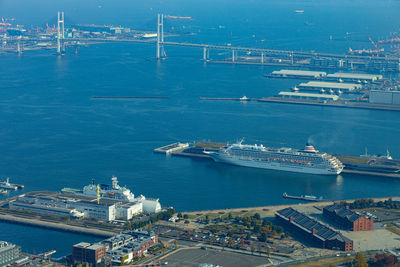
(307, 160)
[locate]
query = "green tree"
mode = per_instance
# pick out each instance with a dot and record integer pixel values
(360, 260)
(207, 221)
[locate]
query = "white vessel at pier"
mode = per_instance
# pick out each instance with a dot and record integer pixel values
(307, 160)
(116, 192)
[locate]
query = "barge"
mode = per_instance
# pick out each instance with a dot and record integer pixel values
(310, 198)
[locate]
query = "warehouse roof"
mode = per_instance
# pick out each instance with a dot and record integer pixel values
(348, 86)
(356, 76)
(309, 225)
(309, 95)
(342, 212)
(300, 72)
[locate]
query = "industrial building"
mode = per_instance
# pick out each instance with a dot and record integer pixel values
(301, 74)
(320, 234)
(327, 86)
(298, 95)
(123, 248)
(86, 252)
(9, 253)
(347, 218)
(384, 97)
(354, 77)
(119, 249)
(75, 206)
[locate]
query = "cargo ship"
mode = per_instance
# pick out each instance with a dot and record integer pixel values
(307, 160)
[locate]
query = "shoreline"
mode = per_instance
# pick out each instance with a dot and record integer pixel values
(273, 208)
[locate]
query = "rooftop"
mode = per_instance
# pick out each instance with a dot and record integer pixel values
(309, 225)
(69, 197)
(300, 72)
(355, 76)
(348, 86)
(309, 95)
(343, 212)
(82, 245)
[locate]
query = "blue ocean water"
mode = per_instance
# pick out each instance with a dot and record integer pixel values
(54, 135)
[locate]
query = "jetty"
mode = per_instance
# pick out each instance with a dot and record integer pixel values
(128, 97)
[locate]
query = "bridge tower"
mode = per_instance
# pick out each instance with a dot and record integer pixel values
(160, 36)
(60, 32)
(206, 53)
(19, 46)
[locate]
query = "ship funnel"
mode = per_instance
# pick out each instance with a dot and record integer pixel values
(310, 148)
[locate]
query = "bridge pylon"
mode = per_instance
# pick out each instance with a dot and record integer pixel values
(60, 32)
(160, 37)
(206, 53)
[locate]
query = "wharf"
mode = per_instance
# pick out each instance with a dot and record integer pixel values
(130, 97)
(5, 216)
(244, 98)
(353, 164)
(313, 102)
(339, 104)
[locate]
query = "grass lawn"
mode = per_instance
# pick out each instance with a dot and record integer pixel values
(324, 262)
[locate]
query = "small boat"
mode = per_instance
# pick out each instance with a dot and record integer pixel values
(303, 197)
(3, 192)
(299, 11)
(7, 185)
(244, 98)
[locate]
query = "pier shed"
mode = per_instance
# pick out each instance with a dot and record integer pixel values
(358, 77)
(325, 86)
(320, 234)
(298, 74)
(384, 97)
(308, 96)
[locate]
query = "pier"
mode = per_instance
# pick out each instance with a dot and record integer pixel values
(130, 97)
(361, 165)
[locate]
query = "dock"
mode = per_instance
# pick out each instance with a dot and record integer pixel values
(168, 149)
(244, 98)
(354, 164)
(130, 97)
(325, 100)
(338, 104)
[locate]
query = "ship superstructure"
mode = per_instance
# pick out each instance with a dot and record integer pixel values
(118, 193)
(307, 160)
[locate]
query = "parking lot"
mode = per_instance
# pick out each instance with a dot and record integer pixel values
(195, 256)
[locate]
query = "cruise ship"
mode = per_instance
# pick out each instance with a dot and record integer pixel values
(307, 160)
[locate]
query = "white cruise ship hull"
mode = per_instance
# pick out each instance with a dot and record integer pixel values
(274, 165)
